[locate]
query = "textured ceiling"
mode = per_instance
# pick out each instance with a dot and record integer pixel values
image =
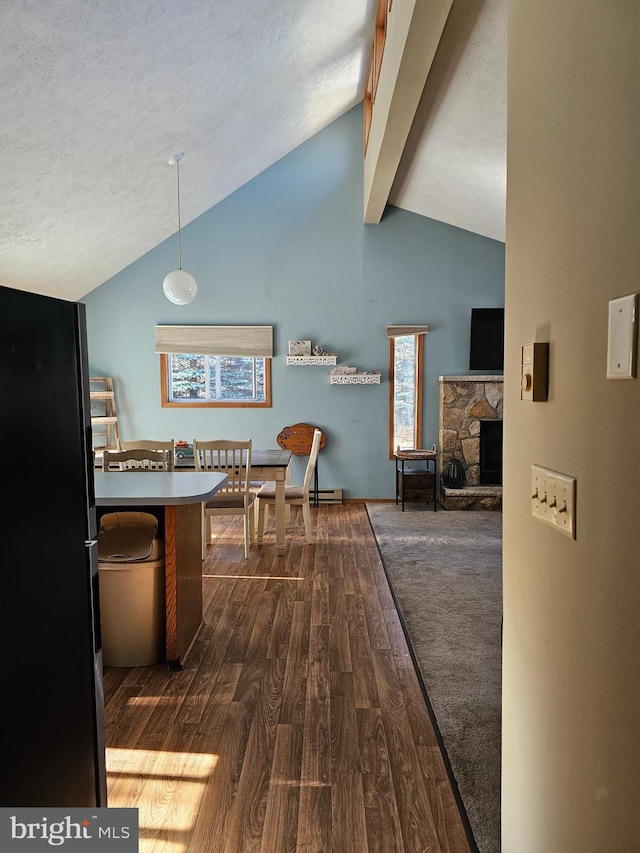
(95, 97)
(454, 165)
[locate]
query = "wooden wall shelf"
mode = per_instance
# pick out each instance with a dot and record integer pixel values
(311, 359)
(356, 379)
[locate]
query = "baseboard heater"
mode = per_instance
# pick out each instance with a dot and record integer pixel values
(327, 496)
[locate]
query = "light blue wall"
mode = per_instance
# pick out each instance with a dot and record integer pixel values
(289, 249)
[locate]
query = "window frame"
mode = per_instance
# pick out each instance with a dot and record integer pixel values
(419, 382)
(212, 404)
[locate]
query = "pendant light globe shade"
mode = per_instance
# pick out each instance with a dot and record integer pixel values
(180, 287)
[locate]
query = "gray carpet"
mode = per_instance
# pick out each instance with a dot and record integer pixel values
(445, 570)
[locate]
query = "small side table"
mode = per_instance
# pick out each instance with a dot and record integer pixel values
(405, 475)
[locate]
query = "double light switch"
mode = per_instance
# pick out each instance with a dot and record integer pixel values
(553, 499)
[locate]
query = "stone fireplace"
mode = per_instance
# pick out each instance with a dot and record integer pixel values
(471, 432)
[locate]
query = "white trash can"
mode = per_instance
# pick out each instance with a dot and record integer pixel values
(132, 589)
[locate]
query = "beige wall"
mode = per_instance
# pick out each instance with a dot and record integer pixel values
(571, 730)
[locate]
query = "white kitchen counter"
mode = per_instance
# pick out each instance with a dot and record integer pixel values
(176, 498)
(155, 488)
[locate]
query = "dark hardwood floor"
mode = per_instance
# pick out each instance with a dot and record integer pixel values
(297, 722)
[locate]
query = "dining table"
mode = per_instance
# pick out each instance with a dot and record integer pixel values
(267, 466)
(175, 498)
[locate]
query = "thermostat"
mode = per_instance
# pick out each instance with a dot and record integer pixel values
(534, 372)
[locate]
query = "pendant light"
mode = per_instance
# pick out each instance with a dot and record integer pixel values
(179, 286)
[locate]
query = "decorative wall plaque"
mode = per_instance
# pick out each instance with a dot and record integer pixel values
(299, 347)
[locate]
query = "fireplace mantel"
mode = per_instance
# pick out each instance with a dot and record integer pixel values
(474, 377)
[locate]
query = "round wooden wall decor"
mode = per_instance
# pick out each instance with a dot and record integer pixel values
(298, 438)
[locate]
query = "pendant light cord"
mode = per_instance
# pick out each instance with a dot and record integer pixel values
(179, 233)
(179, 286)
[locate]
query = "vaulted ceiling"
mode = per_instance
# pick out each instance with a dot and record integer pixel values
(95, 98)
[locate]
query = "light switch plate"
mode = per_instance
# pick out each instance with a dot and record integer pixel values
(622, 347)
(553, 499)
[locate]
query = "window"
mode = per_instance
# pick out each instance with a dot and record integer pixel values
(406, 374)
(215, 380)
(215, 365)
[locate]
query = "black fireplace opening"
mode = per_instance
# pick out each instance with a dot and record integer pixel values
(490, 453)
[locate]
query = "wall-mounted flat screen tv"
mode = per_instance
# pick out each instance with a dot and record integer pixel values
(486, 350)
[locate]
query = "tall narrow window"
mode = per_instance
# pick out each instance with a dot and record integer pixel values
(405, 405)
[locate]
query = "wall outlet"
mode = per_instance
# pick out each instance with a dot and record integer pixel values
(553, 499)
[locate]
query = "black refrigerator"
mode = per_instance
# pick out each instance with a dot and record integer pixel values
(52, 747)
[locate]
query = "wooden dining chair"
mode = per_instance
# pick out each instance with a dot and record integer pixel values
(138, 460)
(293, 495)
(149, 444)
(232, 458)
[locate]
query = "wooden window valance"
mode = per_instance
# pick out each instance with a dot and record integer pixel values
(247, 341)
(399, 331)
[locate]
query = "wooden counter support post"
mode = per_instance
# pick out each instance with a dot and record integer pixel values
(183, 579)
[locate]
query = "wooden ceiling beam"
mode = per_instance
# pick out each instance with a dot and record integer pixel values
(413, 31)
